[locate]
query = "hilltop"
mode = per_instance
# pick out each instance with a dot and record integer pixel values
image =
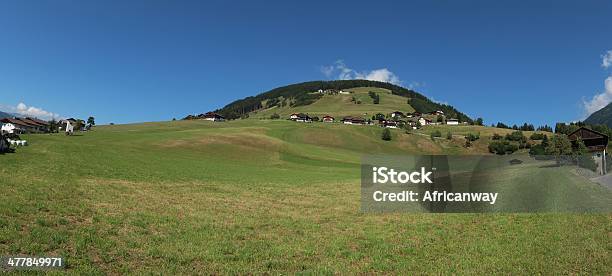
(307, 97)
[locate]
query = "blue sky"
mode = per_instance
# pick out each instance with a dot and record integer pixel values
(134, 61)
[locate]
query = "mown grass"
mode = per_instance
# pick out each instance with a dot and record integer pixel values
(258, 196)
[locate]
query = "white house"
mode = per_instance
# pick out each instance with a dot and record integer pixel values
(8, 128)
(294, 116)
(452, 122)
(390, 124)
(344, 92)
(424, 122)
(397, 114)
(211, 116)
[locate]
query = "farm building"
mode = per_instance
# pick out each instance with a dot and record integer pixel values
(397, 114)
(300, 117)
(16, 126)
(596, 143)
(211, 116)
(452, 122)
(349, 120)
(424, 122)
(390, 124)
(328, 119)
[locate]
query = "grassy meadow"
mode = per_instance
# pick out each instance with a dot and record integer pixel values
(341, 105)
(257, 196)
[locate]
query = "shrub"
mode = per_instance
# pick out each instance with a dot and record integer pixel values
(472, 137)
(537, 136)
(497, 137)
(435, 134)
(516, 136)
(275, 116)
(386, 135)
(502, 147)
(468, 143)
(449, 136)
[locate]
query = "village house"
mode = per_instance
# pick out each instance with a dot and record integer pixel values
(45, 124)
(397, 114)
(64, 122)
(437, 113)
(596, 143)
(390, 124)
(349, 120)
(17, 126)
(211, 116)
(452, 122)
(36, 127)
(300, 117)
(328, 119)
(424, 121)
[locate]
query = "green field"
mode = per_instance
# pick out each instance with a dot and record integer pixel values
(340, 105)
(257, 196)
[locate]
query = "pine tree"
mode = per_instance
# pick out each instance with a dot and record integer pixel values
(386, 134)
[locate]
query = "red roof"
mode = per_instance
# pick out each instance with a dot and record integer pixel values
(15, 122)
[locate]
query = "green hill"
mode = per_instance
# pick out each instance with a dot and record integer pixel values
(601, 117)
(343, 105)
(303, 97)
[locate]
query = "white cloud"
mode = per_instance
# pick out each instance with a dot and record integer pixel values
(340, 71)
(606, 60)
(599, 101)
(31, 111)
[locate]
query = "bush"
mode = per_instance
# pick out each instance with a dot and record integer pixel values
(502, 147)
(386, 135)
(497, 137)
(435, 134)
(449, 136)
(537, 136)
(275, 116)
(472, 137)
(516, 136)
(315, 119)
(468, 143)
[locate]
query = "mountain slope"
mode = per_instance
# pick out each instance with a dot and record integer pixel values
(601, 117)
(300, 98)
(5, 115)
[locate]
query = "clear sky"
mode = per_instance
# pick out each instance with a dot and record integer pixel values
(133, 61)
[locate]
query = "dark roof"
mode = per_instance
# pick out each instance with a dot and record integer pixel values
(30, 122)
(15, 122)
(593, 140)
(41, 122)
(212, 115)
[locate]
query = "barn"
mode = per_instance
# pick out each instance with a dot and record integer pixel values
(596, 143)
